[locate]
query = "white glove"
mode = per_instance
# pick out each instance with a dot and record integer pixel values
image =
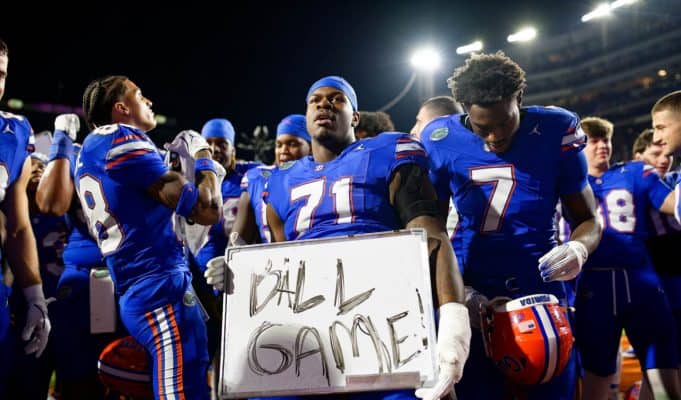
(69, 123)
(215, 275)
(236, 240)
(215, 268)
(453, 343)
(563, 262)
(37, 329)
(187, 144)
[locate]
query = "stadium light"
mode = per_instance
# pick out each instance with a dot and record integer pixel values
(523, 35)
(15, 104)
(621, 3)
(161, 119)
(603, 10)
(426, 59)
(469, 48)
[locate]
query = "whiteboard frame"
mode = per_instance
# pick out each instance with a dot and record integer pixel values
(399, 380)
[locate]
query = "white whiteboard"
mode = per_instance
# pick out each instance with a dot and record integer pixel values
(291, 297)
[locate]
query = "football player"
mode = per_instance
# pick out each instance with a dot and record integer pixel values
(372, 185)
(372, 123)
(662, 246)
(16, 143)
(129, 195)
(292, 143)
(434, 107)
(30, 376)
(219, 133)
(618, 288)
(505, 167)
(76, 349)
(666, 115)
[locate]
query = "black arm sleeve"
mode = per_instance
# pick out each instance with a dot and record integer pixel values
(415, 196)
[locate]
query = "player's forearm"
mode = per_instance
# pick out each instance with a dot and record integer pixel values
(588, 233)
(275, 224)
(23, 257)
(206, 211)
(244, 224)
(447, 281)
(669, 204)
(55, 189)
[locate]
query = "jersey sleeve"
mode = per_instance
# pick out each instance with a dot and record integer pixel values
(74, 159)
(275, 194)
(408, 151)
(437, 169)
(244, 183)
(133, 159)
(19, 125)
(572, 162)
(656, 189)
(677, 197)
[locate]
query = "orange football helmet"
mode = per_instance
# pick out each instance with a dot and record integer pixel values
(529, 339)
(125, 368)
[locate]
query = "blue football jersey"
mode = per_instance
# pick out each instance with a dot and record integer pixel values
(677, 191)
(506, 202)
(625, 194)
(348, 195)
(81, 248)
(662, 249)
(16, 143)
(134, 231)
(254, 183)
(50, 236)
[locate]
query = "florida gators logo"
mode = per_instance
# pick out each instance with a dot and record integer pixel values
(439, 134)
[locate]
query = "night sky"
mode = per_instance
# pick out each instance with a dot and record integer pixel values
(253, 64)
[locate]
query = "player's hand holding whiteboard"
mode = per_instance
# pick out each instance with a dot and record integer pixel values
(329, 315)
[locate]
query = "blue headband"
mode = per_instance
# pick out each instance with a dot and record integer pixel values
(218, 128)
(40, 156)
(295, 125)
(335, 82)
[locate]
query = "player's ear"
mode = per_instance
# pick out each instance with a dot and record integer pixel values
(355, 119)
(120, 108)
(519, 97)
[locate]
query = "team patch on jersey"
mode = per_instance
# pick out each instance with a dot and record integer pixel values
(188, 299)
(439, 134)
(286, 165)
(266, 173)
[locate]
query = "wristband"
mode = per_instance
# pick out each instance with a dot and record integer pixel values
(204, 164)
(61, 147)
(188, 197)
